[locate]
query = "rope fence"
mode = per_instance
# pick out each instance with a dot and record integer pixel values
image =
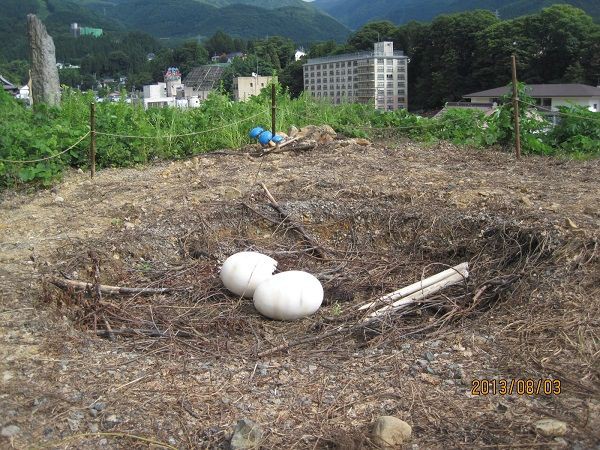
(48, 157)
(173, 136)
(425, 124)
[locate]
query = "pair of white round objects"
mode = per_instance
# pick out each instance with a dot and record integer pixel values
(286, 296)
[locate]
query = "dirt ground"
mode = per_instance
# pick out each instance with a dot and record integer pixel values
(178, 370)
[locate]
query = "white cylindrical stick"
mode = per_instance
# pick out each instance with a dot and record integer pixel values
(419, 295)
(419, 285)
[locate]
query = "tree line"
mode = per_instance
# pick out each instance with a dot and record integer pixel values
(462, 53)
(452, 56)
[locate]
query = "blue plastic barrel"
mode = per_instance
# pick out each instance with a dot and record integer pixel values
(254, 132)
(277, 139)
(265, 137)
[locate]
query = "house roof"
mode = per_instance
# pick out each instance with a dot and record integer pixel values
(204, 78)
(7, 84)
(544, 90)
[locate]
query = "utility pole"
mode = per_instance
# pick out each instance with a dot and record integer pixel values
(515, 100)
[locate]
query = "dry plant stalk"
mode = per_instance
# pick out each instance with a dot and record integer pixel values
(63, 283)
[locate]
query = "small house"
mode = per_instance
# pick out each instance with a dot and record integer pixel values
(547, 96)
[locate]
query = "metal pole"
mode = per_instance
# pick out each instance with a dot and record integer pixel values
(92, 140)
(273, 107)
(516, 108)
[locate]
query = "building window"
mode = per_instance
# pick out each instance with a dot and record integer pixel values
(251, 85)
(389, 76)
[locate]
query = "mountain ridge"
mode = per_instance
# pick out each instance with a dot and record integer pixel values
(355, 13)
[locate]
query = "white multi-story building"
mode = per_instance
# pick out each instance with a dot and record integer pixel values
(378, 78)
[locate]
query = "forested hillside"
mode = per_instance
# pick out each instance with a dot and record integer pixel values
(177, 18)
(461, 53)
(355, 13)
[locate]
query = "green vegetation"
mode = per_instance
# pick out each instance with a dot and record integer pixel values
(355, 13)
(170, 133)
(463, 53)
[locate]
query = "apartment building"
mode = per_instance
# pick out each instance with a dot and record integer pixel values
(378, 78)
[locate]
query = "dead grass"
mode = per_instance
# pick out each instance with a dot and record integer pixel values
(182, 368)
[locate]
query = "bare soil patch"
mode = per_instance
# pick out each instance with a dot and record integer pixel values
(181, 368)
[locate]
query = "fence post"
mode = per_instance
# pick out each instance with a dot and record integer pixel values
(515, 100)
(92, 139)
(273, 107)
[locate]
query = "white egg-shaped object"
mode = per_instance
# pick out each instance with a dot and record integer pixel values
(289, 296)
(244, 271)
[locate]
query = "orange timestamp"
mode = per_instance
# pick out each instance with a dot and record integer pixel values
(520, 386)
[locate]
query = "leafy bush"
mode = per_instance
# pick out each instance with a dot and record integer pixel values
(578, 131)
(129, 135)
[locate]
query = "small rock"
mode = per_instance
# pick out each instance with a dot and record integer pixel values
(111, 421)
(293, 131)
(246, 435)
(430, 379)
(390, 432)
(312, 369)
(58, 199)
(551, 427)
(128, 225)
(325, 138)
(405, 346)
(363, 142)
(73, 424)
(422, 362)
(99, 406)
(10, 431)
(79, 170)
(93, 427)
(429, 356)
(329, 130)
(435, 344)
(103, 442)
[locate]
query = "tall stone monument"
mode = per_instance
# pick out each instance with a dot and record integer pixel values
(45, 86)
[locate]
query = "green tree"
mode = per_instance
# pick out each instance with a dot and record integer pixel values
(188, 56)
(373, 32)
(292, 77)
(219, 43)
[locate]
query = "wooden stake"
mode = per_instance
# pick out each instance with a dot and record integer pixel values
(273, 107)
(516, 108)
(92, 140)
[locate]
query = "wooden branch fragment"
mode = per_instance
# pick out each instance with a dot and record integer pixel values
(149, 333)
(419, 285)
(417, 296)
(289, 142)
(108, 290)
(318, 249)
